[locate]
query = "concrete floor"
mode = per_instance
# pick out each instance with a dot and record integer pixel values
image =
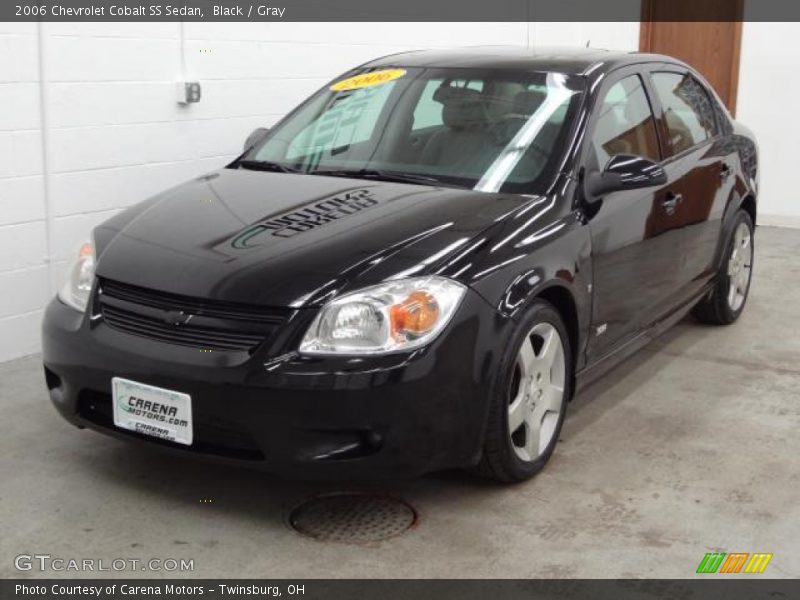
(691, 446)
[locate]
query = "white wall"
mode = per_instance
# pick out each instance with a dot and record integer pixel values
(23, 239)
(612, 36)
(101, 130)
(767, 99)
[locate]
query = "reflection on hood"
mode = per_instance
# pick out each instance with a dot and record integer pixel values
(298, 221)
(271, 238)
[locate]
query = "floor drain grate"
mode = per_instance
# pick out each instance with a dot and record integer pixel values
(353, 518)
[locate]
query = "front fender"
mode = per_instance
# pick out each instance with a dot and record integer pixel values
(525, 256)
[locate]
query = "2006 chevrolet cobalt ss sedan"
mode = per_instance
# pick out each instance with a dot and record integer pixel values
(415, 269)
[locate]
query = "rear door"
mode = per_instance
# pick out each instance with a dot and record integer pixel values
(636, 248)
(697, 166)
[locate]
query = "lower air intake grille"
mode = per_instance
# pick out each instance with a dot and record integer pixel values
(186, 321)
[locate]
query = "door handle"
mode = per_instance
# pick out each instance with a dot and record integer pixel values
(725, 171)
(670, 203)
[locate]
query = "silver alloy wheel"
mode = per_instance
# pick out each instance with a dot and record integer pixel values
(536, 392)
(739, 266)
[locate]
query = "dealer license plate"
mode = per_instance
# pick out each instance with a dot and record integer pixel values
(152, 411)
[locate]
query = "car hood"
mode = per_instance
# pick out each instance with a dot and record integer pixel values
(278, 239)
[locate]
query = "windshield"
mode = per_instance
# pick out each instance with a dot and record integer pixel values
(487, 130)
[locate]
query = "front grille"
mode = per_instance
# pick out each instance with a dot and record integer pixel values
(187, 321)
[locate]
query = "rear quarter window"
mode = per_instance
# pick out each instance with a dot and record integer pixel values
(688, 113)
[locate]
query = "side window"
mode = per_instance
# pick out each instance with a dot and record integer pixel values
(688, 112)
(625, 124)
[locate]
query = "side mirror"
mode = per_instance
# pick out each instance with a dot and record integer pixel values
(255, 137)
(625, 172)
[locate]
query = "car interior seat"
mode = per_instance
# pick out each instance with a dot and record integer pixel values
(465, 138)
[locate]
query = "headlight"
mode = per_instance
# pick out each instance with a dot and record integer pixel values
(390, 317)
(80, 275)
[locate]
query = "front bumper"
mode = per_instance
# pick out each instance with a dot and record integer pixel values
(304, 417)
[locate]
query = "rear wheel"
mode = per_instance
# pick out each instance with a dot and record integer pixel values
(528, 407)
(727, 299)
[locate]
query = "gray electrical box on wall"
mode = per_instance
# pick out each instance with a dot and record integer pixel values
(188, 92)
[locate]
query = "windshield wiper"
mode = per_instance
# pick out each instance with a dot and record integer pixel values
(266, 165)
(376, 174)
(379, 175)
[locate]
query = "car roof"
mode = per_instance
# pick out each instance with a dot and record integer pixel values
(566, 60)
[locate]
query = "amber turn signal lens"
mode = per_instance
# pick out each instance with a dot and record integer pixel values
(417, 314)
(86, 250)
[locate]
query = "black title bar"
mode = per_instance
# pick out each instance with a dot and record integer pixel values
(398, 10)
(729, 588)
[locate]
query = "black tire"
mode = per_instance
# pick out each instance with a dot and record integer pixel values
(499, 461)
(714, 308)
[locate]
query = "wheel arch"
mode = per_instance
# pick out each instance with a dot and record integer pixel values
(749, 206)
(563, 301)
(743, 200)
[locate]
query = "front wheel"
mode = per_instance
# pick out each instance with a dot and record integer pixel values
(727, 299)
(529, 404)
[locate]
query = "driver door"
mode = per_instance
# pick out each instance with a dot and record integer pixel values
(636, 249)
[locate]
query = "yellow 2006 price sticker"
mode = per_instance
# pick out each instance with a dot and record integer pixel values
(368, 79)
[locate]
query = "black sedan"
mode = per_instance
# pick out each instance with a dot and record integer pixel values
(415, 269)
